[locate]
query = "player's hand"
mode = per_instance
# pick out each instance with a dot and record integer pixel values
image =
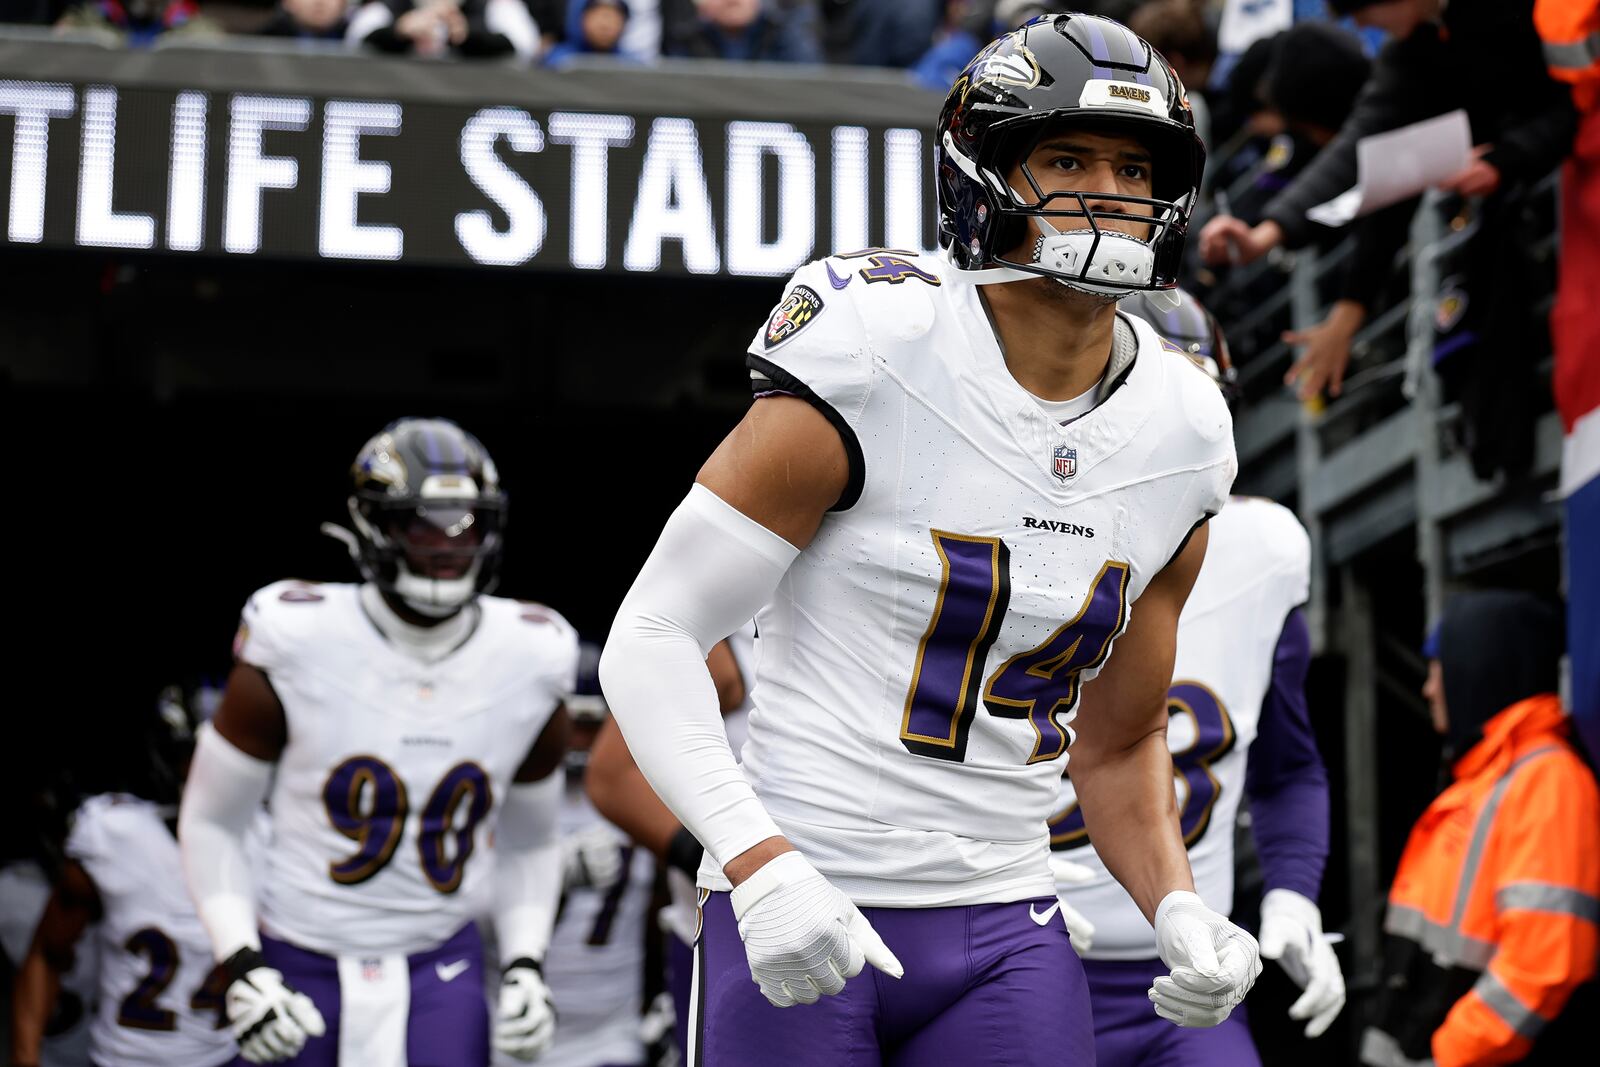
(802, 937)
(1291, 933)
(525, 1022)
(1067, 873)
(270, 1021)
(591, 858)
(1226, 239)
(1214, 963)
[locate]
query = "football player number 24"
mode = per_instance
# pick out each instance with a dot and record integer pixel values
(1038, 685)
(367, 802)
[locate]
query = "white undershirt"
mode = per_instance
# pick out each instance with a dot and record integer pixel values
(428, 644)
(1062, 412)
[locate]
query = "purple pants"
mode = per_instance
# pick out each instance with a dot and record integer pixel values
(680, 981)
(984, 984)
(448, 1024)
(1129, 1033)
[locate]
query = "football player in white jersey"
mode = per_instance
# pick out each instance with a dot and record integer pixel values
(1239, 728)
(596, 963)
(401, 726)
(622, 794)
(159, 1001)
(962, 479)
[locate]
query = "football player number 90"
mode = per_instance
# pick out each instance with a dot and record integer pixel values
(1038, 685)
(367, 802)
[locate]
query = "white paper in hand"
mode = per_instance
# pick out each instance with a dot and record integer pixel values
(1398, 164)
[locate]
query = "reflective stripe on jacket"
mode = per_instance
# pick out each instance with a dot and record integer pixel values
(1570, 30)
(1494, 917)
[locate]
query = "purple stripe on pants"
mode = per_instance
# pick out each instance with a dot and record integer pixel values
(448, 1022)
(1129, 1033)
(680, 981)
(984, 984)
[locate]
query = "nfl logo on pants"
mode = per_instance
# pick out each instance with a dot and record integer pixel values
(1066, 462)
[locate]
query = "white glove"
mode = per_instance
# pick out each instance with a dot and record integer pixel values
(1067, 873)
(270, 1021)
(802, 937)
(1291, 933)
(525, 1022)
(592, 857)
(1214, 963)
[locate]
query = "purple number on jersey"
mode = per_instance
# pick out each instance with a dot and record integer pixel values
(1038, 685)
(366, 802)
(1043, 683)
(974, 592)
(890, 265)
(138, 1009)
(1213, 738)
(464, 784)
(605, 919)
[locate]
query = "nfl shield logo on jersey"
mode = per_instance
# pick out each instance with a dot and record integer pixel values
(1066, 462)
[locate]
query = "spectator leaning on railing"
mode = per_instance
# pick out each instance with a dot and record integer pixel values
(1480, 55)
(1491, 925)
(433, 28)
(742, 29)
(308, 20)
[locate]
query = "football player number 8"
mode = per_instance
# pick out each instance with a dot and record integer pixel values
(1198, 788)
(1038, 685)
(367, 803)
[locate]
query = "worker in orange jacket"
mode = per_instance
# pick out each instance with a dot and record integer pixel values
(1494, 916)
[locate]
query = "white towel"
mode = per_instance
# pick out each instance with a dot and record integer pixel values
(375, 1001)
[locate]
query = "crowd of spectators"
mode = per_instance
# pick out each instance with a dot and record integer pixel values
(932, 38)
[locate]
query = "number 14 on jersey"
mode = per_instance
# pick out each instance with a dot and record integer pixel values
(1038, 685)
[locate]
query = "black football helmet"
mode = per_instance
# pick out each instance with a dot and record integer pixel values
(1192, 328)
(1079, 71)
(170, 736)
(429, 515)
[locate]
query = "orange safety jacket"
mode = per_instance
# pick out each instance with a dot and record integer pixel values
(1494, 917)
(1570, 30)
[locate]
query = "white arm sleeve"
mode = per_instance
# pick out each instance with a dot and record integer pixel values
(711, 571)
(220, 800)
(527, 872)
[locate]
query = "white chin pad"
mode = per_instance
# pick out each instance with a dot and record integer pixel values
(436, 597)
(1120, 263)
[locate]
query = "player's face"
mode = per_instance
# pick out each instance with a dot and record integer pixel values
(440, 542)
(1433, 693)
(1097, 165)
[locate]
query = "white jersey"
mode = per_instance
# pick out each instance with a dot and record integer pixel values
(386, 795)
(595, 966)
(1257, 570)
(158, 1004)
(24, 893)
(922, 657)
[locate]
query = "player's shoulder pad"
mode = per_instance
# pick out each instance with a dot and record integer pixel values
(100, 822)
(530, 625)
(1189, 428)
(812, 344)
(282, 617)
(1277, 537)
